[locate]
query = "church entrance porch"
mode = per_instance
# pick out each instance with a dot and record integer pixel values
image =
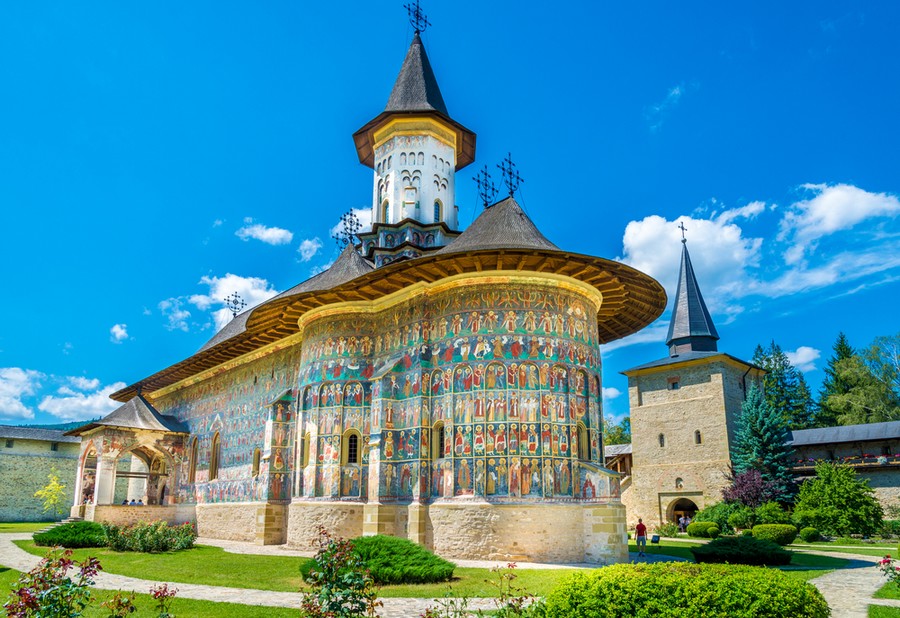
(681, 508)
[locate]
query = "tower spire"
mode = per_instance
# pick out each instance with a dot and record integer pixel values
(692, 328)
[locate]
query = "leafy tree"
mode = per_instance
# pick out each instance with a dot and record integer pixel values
(785, 388)
(762, 444)
(883, 357)
(868, 398)
(53, 494)
(833, 384)
(617, 434)
(837, 503)
(750, 489)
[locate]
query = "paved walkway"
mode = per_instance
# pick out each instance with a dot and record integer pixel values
(848, 591)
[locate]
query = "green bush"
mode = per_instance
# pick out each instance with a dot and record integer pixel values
(837, 503)
(675, 590)
(809, 535)
(771, 513)
(742, 518)
(742, 550)
(72, 535)
(150, 538)
(747, 532)
(719, 513)
(668, 529)
(713, 532)
(783, 534)
(698, 529)
(393, 560)
(890, 527)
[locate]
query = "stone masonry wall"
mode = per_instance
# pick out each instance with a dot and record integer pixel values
(24, 469)
(229, 521)
(344, 519)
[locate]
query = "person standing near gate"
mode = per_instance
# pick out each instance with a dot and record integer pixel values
(640, 533)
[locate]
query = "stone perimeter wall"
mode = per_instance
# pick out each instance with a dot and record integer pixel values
(25, 467)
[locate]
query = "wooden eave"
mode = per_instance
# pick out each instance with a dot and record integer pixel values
(631, 301)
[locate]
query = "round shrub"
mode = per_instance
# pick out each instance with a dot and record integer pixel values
(72, 535)
(747, 532)
(771, 513)
(392, 560)
(698, 529)
(742, 550)
(783, 534)
(713, 532)
(809, 535)
(741, 519)
(674, 590)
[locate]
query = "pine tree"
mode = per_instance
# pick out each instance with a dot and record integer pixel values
(833, 384)
(785, 388)
(762, 444)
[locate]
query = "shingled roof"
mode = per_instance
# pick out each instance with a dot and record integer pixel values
(416, 88)
(501, 226)
(136, 413)
(15, 432)
(846, 433)
(691, 328)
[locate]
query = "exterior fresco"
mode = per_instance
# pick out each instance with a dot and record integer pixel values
(509, 375)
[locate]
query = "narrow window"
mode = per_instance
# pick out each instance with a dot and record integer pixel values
(385, 210)
(9, 443)
(402, 158)
(214, 458)
(192, 462)
(304, 446)
(421, 158)
(674, 384)
(679, 483)
(256, 462)
(54, 446)
(698, 438)
(662, 440)
(437, 210)
(584, 450)
(437, 441)
(351, 452)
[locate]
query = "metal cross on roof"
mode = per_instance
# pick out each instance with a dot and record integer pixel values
(683, 230)
(235, 303)
(417, 18)
(349, 230)
(487, 190)
(510, 175)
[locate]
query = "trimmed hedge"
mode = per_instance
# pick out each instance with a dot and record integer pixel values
(810, 535)
(72, 535)
(713, 532)
(392, 560)
(155, 537)
(675, 590)
(699, 529)
(742, 550)
(783, 534)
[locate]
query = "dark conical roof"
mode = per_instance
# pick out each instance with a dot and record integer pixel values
(692, 328)
(136, 413)
(501, 226)
(416, 88)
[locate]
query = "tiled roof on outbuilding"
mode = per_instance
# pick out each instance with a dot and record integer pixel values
(846, 433)
(14, 432)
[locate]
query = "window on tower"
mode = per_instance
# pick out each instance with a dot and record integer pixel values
(385, 211)
(662, 440)
(437, 211)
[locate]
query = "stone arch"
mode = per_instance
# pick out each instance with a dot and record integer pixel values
(679, 507)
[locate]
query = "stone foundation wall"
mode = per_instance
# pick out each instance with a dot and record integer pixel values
(24, 468)
(344, 519)
(886, 484)
(229, 521)
(130, 515)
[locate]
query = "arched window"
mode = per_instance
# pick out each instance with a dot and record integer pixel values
(390, 162)
(679, 483)
(255, 462)
(434, 161)
(438, 437)
(698, 438)
(214, 458)
(438, 211)
(421, 158)
(402, 158)
(385, 211)
(192, 462)
(662, 440)
(584, 447)
(304, 450)
(351, 449)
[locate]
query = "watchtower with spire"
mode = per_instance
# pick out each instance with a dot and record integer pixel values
(415, 149)
(684, 413)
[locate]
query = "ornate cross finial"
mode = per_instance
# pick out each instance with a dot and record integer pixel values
(349, 230)
(510, 175)
(417, 18)
(487, 190)
(235, 303)
(683, 230)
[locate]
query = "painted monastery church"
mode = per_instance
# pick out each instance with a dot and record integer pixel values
(434, 384)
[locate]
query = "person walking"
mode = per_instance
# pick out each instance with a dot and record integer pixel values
(640, 533)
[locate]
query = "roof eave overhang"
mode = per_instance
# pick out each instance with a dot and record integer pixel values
(364, 138)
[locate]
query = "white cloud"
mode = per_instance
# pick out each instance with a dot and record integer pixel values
(656, 114)
(175, 313)
(832, 208)
(16, 383)
(365, 221)
(84, 384)
(750, 211)
(72, 406)
(804, 358)
(309, 247)
(118, 333)
(268, 235)
(610, 393)
(217, 223)
(253, 290)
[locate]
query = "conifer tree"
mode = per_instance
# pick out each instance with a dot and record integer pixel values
(762, 444)
(834, 383)
(784, 387)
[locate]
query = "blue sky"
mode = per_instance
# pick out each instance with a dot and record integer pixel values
(157, 156)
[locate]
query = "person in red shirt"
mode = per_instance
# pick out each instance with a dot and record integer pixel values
(641, 535)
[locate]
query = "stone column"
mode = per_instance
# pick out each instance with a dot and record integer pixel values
(105, 481)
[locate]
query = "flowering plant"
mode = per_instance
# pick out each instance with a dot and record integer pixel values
(48, 590)
(889, 569)
(164, 597)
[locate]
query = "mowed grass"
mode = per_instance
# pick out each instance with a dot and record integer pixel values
(23, 526)
(861, 550)
(882, 611)
(889, 591)
(215, 567)
(180, 607)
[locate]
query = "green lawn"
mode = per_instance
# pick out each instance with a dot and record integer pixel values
(23, 526)
(889, 591)
(180, 607)
(860, 551)
(881, 611)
